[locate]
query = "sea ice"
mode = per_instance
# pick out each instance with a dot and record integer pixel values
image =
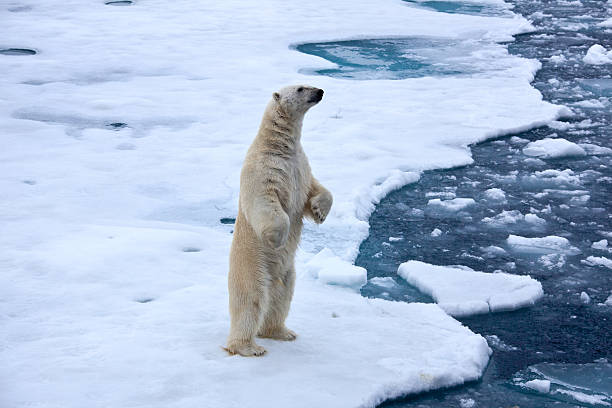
(542, 386)
(513, 217)
(553, 149)
(330, 269)
(598, 261)
(495, 194)
(454, 205)
(598, 55)
(117, 271)
(464, 292)
(545, 245)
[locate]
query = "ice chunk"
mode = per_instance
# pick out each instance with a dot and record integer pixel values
(602, 245)
(385, 282)
(553, 149)
(606, 23)
(333, 270)
(505, 218)
(608, 301)
(542, 386)
(598, 261)
(545, 245)
(598, 55)
(495, 194)
(454, 205)
(596, 150)
(585, 298)
(436, 232)
(552, 179)
(594, 399)
(464, 292)
(498, 344)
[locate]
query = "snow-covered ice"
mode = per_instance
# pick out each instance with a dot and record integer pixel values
(330, 269)
(122, 142)
(464, 292)
(553, 149)
(545, 245)
(598, 55)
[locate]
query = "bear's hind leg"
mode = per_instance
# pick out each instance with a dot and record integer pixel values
(280, 294)
(247, 305)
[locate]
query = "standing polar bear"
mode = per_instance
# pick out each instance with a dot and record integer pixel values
(277, 190)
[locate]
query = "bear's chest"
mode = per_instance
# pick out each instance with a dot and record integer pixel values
(298, 185)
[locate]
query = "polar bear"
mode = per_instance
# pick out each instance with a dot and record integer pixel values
(277, 190)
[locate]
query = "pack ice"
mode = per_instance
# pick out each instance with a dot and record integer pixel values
(122, 141)
(464, 292)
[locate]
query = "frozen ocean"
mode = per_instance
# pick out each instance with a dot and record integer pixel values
(467, 260)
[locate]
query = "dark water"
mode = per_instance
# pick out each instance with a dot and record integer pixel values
(566, 337)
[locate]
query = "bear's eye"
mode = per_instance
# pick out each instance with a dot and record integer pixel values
(300, 89)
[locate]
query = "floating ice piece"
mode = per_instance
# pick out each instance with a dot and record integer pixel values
(495, 194)
(333, 270)
(553, 149)
(498, 344)
(467, 403)
(493, 250)
(596, 150)
(464, 292)
(585, 298)
(606, 23)
(454, 205)
(608, 301)
(594, 399)
(436, 232)
(542, 386)
(601, 245)
(598, 55)
(385, 282)
(552, 178)
(598, 261)
(546, 245)
(513, 217)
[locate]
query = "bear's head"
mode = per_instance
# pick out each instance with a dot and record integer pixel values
(297, 99)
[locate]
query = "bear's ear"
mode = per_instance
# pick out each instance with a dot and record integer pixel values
(276, 96)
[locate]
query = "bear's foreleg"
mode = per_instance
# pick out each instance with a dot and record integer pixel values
(269, 221)
(319, 202)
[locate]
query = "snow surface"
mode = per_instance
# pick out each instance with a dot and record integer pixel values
(553, 149)
(114, 261)
(464, 292)
(545, 245)
(598, 55)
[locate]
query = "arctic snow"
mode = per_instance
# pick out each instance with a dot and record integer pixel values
(122, 142)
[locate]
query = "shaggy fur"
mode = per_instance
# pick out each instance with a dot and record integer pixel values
(277, 190)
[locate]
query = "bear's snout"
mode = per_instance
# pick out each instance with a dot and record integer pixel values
(318, 96)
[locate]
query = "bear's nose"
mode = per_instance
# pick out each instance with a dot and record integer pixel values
(320, 93)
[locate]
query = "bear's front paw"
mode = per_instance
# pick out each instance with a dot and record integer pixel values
(320, 206)
(276, 235)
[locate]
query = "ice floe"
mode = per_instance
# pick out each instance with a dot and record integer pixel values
(545, 245)
(598, 55)
(553, 149)
(464, 292)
